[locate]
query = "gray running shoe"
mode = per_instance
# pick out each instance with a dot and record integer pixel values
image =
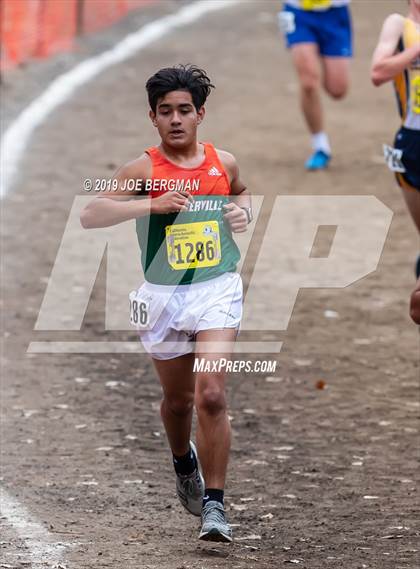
(215, 526)
(190, 488)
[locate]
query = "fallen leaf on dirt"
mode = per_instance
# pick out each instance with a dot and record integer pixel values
(82, 380)
(399, 527)
(320, 384)
(267, 516)
(362, 341)
(114, 384)
(302, 363)
(29, 412)
(238, 507)
(331, 314)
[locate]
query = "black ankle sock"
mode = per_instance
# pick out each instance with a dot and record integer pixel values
(185, 464)
(213, 494)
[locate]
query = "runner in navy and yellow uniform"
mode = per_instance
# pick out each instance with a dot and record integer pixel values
(195, 200)
(319, 34)
(397, 59)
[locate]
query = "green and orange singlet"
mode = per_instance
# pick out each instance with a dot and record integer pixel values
(195, 245)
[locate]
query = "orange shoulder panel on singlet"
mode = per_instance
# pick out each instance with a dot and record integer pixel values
(209, 178)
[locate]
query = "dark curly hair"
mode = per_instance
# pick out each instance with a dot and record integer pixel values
(179, 78)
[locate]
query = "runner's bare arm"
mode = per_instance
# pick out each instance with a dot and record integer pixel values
(386, 64)
(415, 303)
(236, 216)
(119, 205)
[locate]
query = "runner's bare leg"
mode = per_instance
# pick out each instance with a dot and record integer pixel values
(213, 426)
(177, 380)
(306, 60)
(336, 77)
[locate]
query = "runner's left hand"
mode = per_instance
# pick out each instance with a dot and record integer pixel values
(236, 217)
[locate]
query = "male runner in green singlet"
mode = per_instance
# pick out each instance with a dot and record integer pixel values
(192, 291)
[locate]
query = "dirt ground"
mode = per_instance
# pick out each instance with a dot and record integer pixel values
(317, 478)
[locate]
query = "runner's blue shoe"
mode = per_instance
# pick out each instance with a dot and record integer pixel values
(318, 161)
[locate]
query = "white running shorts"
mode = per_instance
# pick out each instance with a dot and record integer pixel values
(168, 317)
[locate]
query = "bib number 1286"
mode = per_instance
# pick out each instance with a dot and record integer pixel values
(193, 245)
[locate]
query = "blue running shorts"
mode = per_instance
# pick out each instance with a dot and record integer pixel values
(330, 29)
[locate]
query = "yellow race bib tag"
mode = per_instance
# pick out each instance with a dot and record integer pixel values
(315, 4)
(415, 94)
(193, 245)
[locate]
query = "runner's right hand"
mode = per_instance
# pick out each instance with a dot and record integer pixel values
(171, 202)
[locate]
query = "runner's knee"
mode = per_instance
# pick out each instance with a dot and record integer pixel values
(178, 405)
(336, 85)
(309, 82)
(211, 400)
(337, 91)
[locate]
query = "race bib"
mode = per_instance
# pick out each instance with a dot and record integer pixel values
(315, 4)
(193, 245)
(286, 21)
(139, 310)
(393, 158)
(415, 94)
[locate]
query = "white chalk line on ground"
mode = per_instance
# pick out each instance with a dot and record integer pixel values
(16, 137)
(41, 547)
(39, 541)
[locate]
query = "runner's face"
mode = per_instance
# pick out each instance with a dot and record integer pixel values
(177, 119)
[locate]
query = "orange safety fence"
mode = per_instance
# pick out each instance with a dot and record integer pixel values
(98, 14)
(57, 26)
(19, 34)
(40, 28)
